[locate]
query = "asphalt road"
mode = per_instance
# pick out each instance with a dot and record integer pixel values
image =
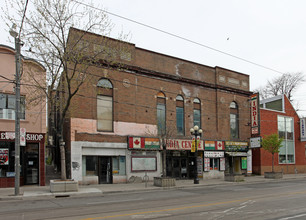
(285, 200)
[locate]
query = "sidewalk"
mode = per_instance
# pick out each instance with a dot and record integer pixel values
(43, 192)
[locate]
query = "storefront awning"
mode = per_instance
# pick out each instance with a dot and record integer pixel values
(237, 154)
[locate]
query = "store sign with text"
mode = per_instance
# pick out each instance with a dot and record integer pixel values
(178, 144)
(303, 129)
(28, 137)
(255, 114)
(213, 154)
(255, 142)
(235, 146)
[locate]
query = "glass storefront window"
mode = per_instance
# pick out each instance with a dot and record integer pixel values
(119, 165)
(214, 163)
(116, 165)
(7, 159)
(90, 165)
(122, 165)
(286, 131)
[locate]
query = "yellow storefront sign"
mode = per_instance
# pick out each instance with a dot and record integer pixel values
(193, 147)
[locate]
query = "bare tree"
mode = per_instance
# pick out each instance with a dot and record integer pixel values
(163, 133)
(45, 34)
(285, 84)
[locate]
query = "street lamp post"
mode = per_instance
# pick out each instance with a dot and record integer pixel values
(14, 34)
(196, 131)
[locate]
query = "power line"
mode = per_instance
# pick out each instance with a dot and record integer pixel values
(146, 88)
(141, 86)
(242, 115)
(23, 16)
(180, 37)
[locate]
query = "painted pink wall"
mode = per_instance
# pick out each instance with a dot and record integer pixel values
(81, 125)
(35, 120)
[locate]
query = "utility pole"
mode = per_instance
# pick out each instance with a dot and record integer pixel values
(14, 34)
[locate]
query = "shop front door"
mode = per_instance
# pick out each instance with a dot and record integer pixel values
(105, 170)
(31, 164)
(177, 167)
(191, 167)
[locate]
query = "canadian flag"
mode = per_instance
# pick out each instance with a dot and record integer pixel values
(219, 145)
(136, 142)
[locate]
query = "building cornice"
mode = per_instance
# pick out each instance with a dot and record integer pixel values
(160, 75)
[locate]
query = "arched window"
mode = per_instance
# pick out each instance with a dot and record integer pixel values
(104, 105)
(234, 121)
(180, 123)
(197, 112)
(161, 113)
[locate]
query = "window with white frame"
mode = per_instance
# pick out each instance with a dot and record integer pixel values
(7, 106)
(286, 131)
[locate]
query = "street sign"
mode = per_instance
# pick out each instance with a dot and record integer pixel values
(22, 137)
(255, 142)
(303, 129)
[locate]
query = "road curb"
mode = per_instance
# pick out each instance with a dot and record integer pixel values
(98, 190)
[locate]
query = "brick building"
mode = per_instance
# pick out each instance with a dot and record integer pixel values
(278, 116)
(129, 109)
(32, 121)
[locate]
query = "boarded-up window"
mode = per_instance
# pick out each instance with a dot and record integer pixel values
(105, 105)
(105, 113)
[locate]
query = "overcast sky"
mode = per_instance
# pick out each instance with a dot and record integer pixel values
(269, 33)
